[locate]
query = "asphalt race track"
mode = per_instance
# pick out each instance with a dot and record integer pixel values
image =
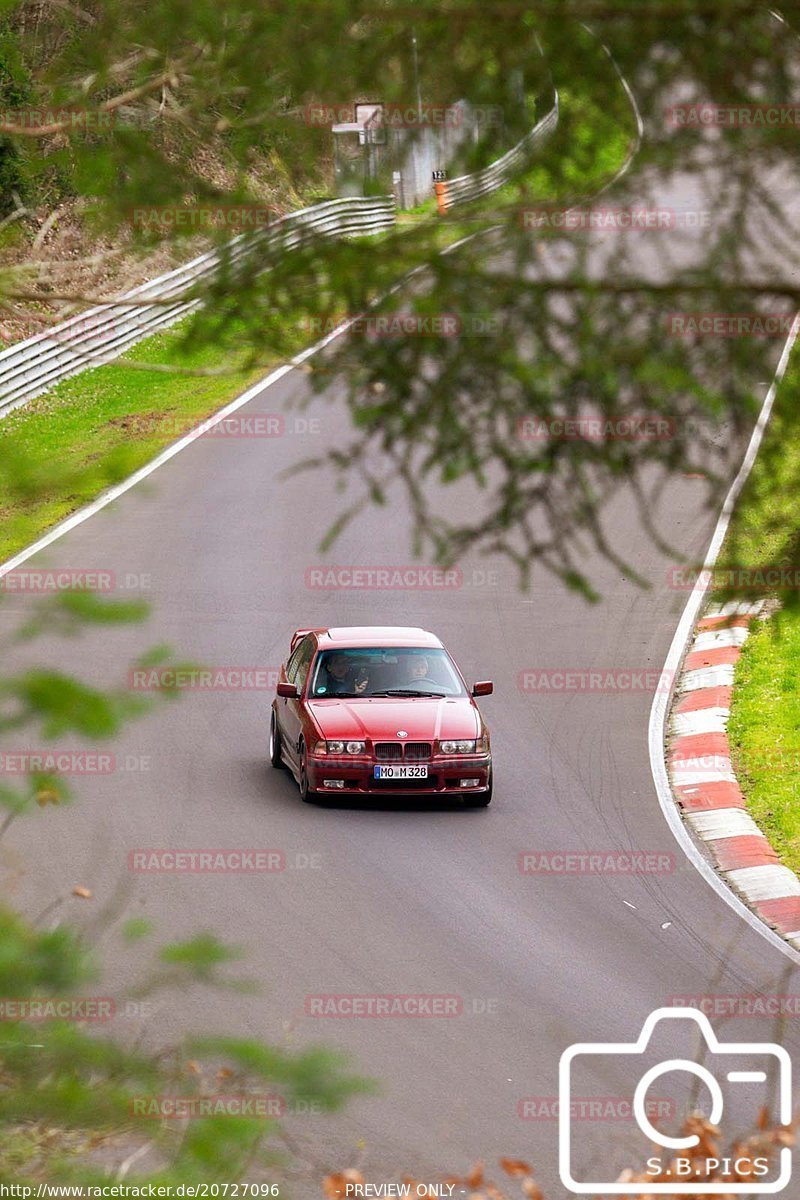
(390, 901)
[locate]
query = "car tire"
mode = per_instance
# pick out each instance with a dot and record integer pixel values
(306, 795)
(275, 743)
(484, 799)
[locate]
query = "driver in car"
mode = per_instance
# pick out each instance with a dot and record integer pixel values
(341, 677)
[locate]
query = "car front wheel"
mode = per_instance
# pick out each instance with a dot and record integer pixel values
(306, 795)
(274, 743)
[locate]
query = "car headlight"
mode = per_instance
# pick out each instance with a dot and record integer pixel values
(346, 747)
(479, 746)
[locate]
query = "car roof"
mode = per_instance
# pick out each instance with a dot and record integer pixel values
(376, 635)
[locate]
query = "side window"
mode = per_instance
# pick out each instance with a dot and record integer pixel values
(294, 658)
(301, 661)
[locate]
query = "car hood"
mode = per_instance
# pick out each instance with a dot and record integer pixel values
(380, 719)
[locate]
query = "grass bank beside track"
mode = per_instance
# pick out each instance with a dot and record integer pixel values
(92, 430)
(98, 427)
(764, 728)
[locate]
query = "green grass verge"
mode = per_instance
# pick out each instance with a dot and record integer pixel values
(65, 447)
(764, 729)
(764, 732)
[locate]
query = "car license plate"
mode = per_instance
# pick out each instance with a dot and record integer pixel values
(404, 772)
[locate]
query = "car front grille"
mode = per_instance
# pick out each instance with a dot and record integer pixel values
(411, 751)
(387, 751)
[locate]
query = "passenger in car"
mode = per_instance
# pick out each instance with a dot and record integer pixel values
(417, 670)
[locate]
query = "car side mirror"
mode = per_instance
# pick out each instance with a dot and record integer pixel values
(288, 691)
(485, 688)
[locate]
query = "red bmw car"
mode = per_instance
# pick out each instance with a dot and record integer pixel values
(371, 711)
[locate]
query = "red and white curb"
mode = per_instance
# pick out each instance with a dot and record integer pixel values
(703, 780)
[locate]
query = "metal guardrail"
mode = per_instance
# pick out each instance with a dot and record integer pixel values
(101, 334)
(489, 179)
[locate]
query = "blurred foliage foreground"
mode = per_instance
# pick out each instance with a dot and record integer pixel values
(572, 336)
(66, 1085)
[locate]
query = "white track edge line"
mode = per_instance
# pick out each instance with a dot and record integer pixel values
(119, 489)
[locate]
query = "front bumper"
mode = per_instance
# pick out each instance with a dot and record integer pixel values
(356, 777)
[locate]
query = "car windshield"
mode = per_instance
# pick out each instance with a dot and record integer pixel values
(385, 671)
